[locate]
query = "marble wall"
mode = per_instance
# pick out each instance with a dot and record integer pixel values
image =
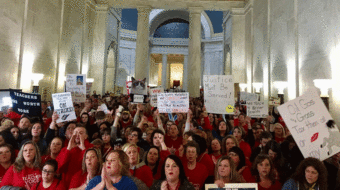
(297, 41)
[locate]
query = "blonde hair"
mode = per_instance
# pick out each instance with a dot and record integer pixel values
(19, 163)
(283, 129)
(234, 176)
(126, 147)
(99, 158)
(224, 141)
(123, 162)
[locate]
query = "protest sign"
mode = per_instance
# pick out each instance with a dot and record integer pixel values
(233, 186)
(153, 95)
(218, 93)
(63, 106)
(25, 103)
(138, 93)
(307, 117)
(104, 108)
(246, 96)
(173, 102)
(257, 109)
(76, 84)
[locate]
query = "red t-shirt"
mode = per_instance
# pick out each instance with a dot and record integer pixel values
(143, 173)
(215, 158)
(206, 160)
(247, 175)
(245, 147)
(57, 184)
(25, 179)
(2, 172)
(78, 179)
(45, 158)
(196, 176)
(173, 143)
(275, 186)
(70, 162)
(279, 140)
(123, 125)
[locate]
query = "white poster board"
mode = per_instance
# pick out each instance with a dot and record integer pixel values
(218, 93)
(246, 96)
(233, 186)
(63, 106)
(153, 95)
(306, 118)
(257, 109)
(76, 84)
(173, 102)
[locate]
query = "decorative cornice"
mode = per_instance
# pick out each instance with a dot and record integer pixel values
(195, 10)
(115, 14)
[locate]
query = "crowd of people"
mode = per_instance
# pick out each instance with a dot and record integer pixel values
(133, 146)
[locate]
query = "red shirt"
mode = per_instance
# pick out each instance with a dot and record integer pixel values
(275, 186)
(2, 172)
(123, 125)
(163, 155)
(57, 184)
(70, 161)
(143, 173)
(197, 176)
(247, 175)
(25, 179)
(206, 160)
(170, 143)
(245, 147)
(215, 158)
(78, 179)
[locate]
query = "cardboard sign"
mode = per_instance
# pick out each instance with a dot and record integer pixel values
(246, 96)
(306, 118)
(153, 95)
(233, 186)
(173, 102)
(63, 106)
(25, 103)
(219, 93)
(76, 84)
(257, 109)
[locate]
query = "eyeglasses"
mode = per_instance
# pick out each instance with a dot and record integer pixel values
(48, 172)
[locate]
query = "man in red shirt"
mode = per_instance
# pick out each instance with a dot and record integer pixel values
(173, 141)
(70, 157)
(125, 119)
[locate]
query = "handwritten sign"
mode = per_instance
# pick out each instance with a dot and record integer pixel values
(173, 102)
(246, 96)
(257, 109)
(218, 93)
(63, 106)
(306, 118)
(76, 84)
(153, 95)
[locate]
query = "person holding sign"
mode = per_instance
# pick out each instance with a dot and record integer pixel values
(311, 174)
(225, 172)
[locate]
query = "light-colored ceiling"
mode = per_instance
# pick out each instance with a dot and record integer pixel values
(221, 5)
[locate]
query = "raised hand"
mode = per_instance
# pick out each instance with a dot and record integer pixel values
(164, 185)
(72, 142)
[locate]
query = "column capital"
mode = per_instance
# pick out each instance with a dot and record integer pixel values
(195, 10)
(144, 9)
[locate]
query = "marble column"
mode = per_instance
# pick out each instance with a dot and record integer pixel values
(185, 73)
(142, 45)
(164, 70)
(194, 67)
(98, 67)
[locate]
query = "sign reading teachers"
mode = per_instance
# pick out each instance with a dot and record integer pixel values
(76, 84)
(218, 93)
(307, 117)
(153, 95)
(63, 106)
(173, 102)
(257, 109)
(25, 103)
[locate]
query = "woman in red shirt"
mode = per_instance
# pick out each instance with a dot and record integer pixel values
(7, 157)
(279, 133)
(215, 150)
(239, 134)
(241, 165)
(91, 166)
(49, 180)
(263, 171)
(225, 172)
(53, 150)
(138, 169)
(25, 172)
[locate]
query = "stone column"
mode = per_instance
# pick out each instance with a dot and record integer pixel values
(164, 70)
(142, 45)
(98, 67)
(185, 73)
(194, 67)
